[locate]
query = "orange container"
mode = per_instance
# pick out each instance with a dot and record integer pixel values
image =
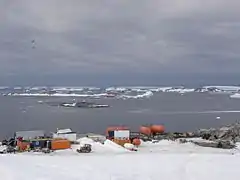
(136, 142)
(23, 146)
(145, 130)
(60, 144)
(157, 128)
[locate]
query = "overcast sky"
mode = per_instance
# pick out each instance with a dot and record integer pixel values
(119, 41)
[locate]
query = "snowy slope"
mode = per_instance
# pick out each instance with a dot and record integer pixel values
(124, 167)
(164, 160)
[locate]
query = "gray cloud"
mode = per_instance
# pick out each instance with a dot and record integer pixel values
(97, 37)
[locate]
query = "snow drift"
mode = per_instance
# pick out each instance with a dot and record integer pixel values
(164, 160)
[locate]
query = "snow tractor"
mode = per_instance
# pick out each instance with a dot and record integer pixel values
(86, 148)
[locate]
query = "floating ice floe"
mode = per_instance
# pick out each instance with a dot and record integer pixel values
(225, 88)
(144, 95)
(236, 95)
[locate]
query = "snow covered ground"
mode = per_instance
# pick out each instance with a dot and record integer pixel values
(154, 161)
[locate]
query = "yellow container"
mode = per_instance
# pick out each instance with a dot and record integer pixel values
(121, 142)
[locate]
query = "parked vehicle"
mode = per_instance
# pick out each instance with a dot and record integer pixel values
(86, 148)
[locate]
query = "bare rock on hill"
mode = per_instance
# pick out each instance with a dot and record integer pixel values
(227, 133)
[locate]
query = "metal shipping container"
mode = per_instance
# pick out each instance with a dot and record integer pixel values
(111, 134)
(69, 136)
(26, 135)
(122, 134)
(39, 143)
(60, 144)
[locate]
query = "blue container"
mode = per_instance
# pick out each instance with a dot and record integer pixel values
(35, 144)
(111, 134)
(38, 144)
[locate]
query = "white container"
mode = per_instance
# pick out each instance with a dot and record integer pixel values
(69, 136)
(121, 134)
(63, 131)
(128, 146)
(65, 134)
